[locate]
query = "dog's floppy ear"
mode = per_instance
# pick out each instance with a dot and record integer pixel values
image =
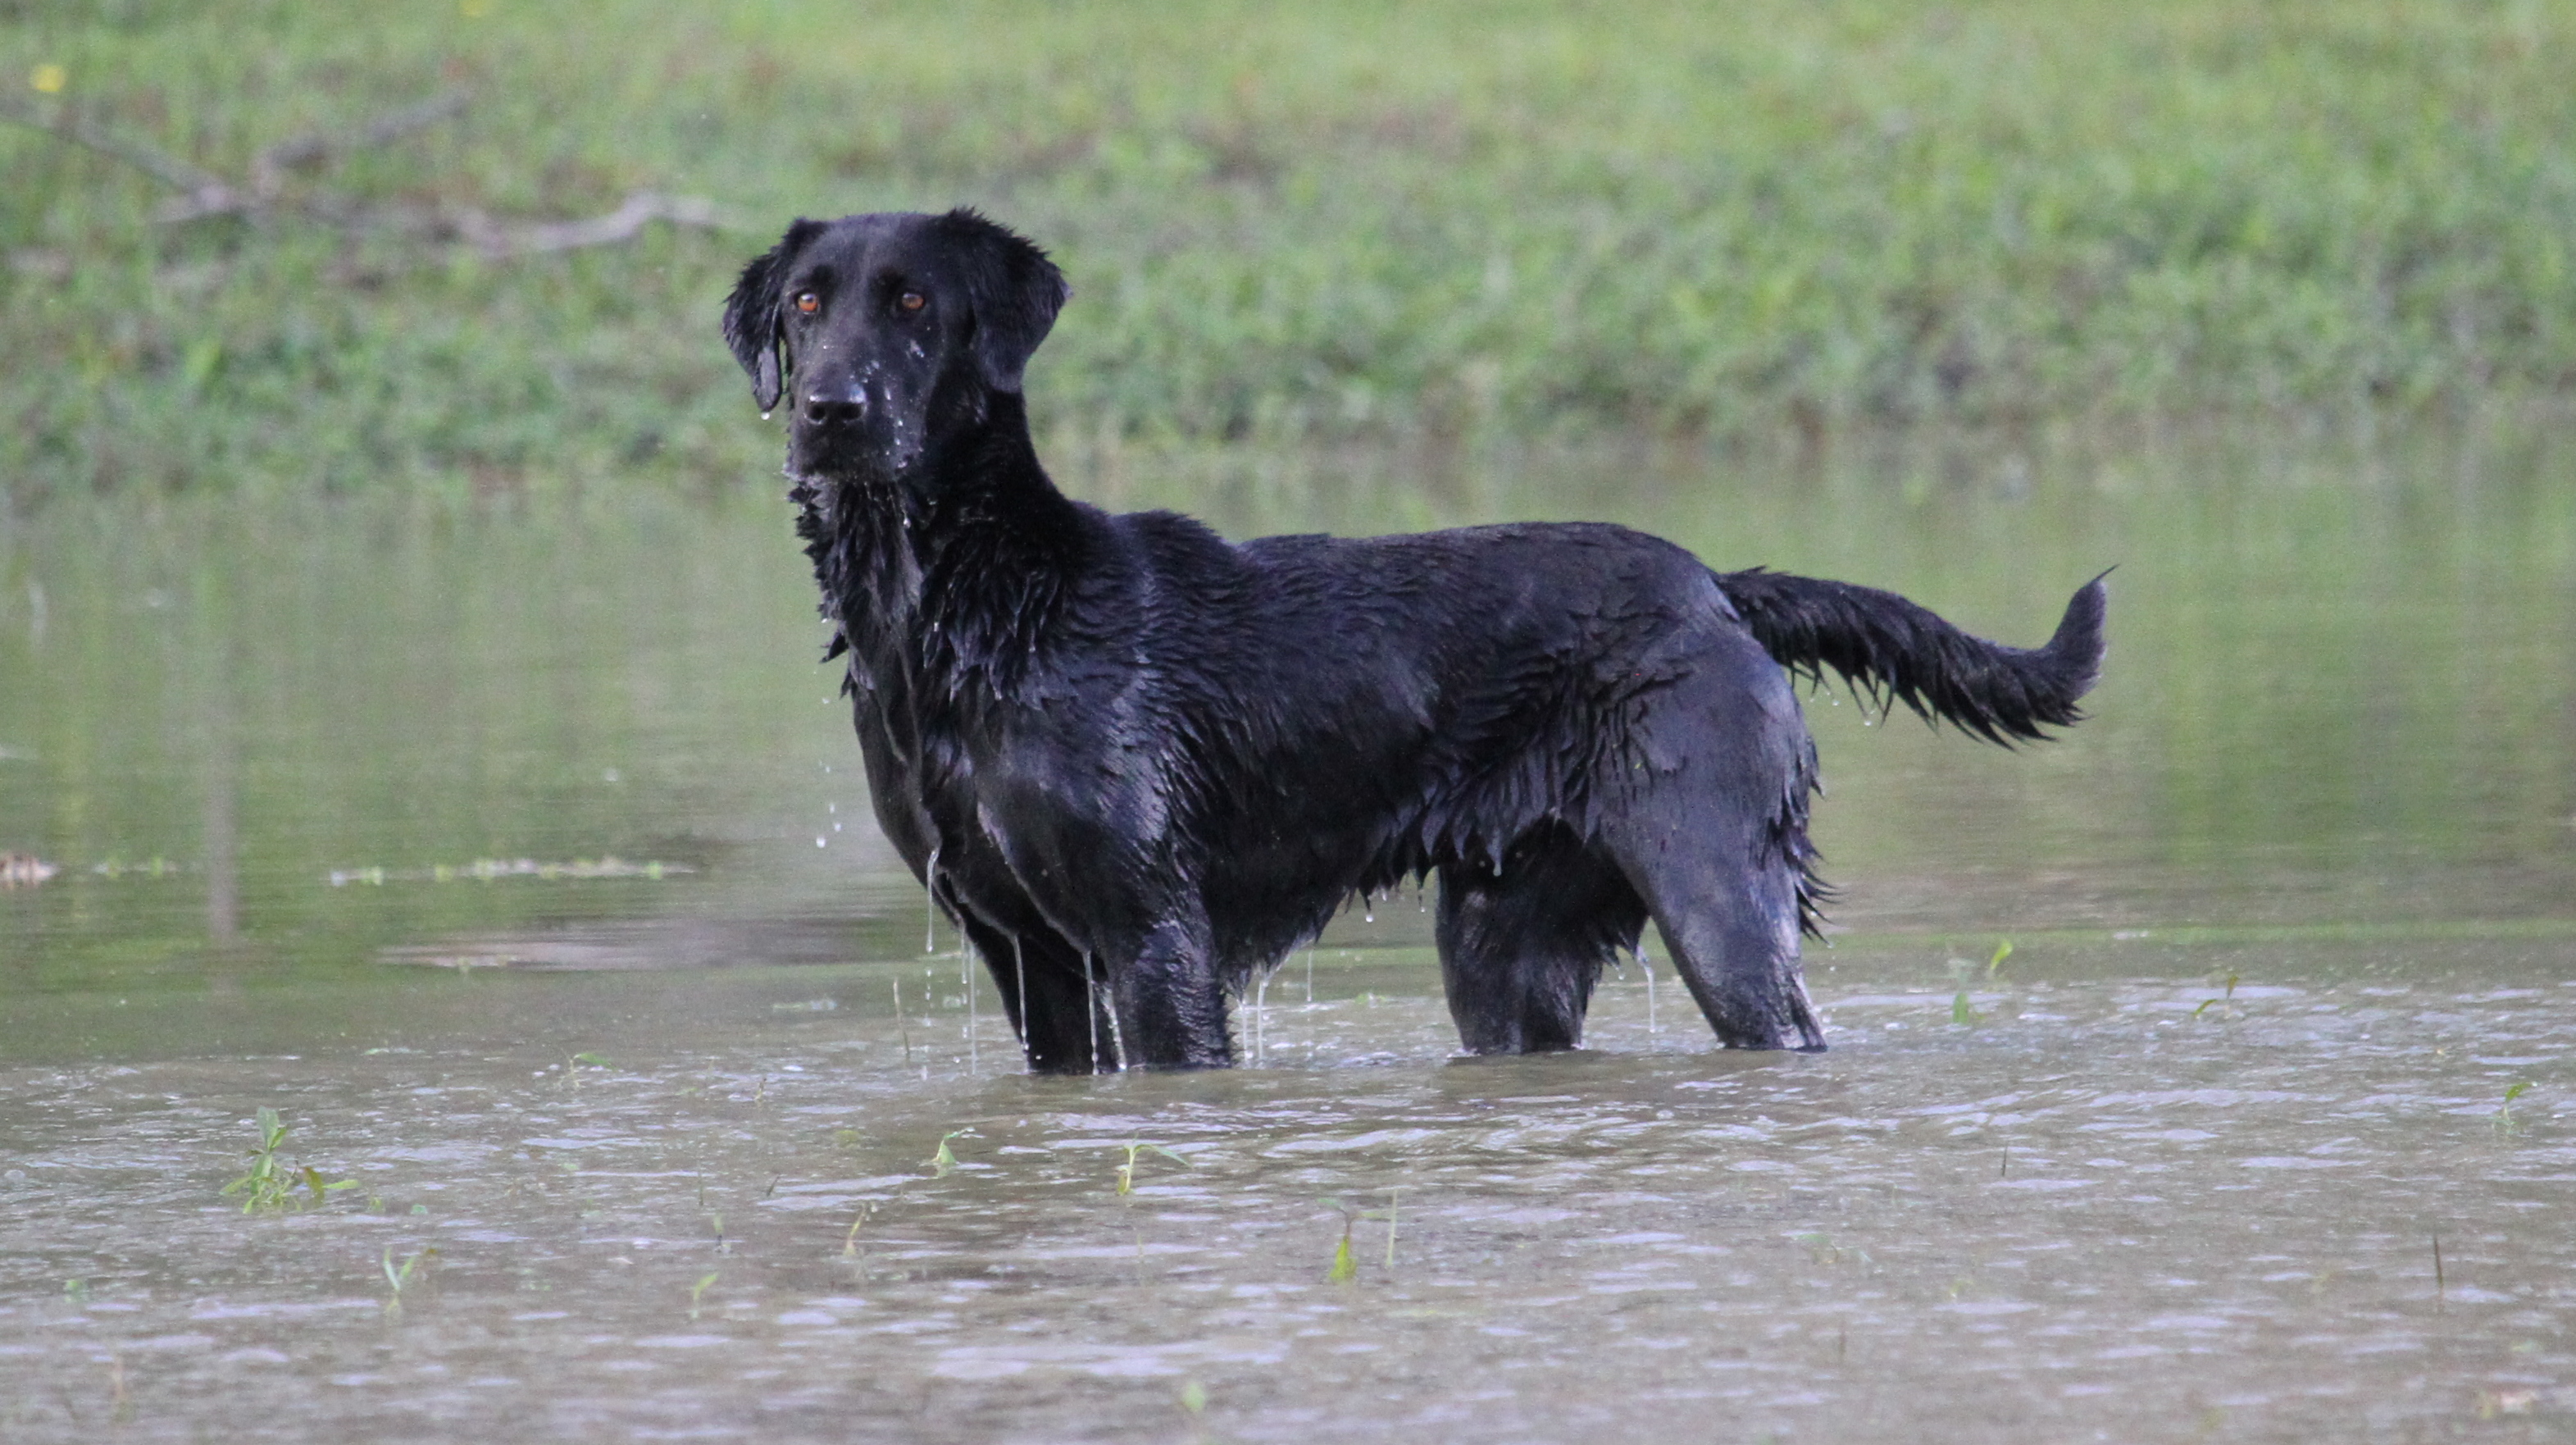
(1016, 292)
(751, 315)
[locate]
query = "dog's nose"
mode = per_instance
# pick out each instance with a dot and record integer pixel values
(836, 407)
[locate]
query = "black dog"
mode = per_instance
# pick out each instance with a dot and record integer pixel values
(1140, 764)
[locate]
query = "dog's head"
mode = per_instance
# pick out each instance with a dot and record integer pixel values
(887, 334)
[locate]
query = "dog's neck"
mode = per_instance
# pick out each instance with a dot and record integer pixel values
(954, 562)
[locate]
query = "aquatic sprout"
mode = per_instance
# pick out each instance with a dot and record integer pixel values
(1127, 1171)
(1963, 1010)
(1345, 1268)
(398, 1277)
(76, 1291)
(1346, 1265)
(2505, 1122)
(944, 1159)
(2225, 1000)
(1820, 1248)
(697, 1292)
(1192, 1398)
(574, 1064)
(1994, 965)
(269, 1185)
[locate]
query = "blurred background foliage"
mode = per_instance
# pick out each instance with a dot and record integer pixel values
(1757, 222)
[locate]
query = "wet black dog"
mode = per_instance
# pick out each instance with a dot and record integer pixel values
(1139, 764)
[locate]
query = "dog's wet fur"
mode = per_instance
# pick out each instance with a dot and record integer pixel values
(1139, 764)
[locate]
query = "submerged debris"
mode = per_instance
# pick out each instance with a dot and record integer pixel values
(24, 870)
(487, 869)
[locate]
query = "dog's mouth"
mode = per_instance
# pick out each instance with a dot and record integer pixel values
(839, 456)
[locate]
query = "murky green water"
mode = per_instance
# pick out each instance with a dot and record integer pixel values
(518, 859)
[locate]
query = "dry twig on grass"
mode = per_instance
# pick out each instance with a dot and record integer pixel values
(266, 191)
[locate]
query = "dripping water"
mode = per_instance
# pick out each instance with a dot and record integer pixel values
(930, 909)
(966, 979)
(1020, 969)
(1117, 1039)
(1261, 1020)
(1091, 1010)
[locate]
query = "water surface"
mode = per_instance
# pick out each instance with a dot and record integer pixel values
(518, 856)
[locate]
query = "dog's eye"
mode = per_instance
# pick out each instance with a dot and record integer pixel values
(912, 301)
(808, 302)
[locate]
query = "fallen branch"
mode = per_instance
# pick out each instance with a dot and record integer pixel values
(499, 239)
(204, 195)
(168, 169)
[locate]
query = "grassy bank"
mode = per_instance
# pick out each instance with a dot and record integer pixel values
(1287, 223)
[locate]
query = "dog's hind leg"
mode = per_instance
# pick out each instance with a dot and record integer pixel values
(1520, 950)
(1712, 835)
(1730, 923)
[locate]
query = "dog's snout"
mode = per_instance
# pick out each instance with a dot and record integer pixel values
(836, 406)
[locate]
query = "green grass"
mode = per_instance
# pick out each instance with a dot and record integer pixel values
(1296, 222)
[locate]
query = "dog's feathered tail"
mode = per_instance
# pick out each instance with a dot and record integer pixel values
(1886, 646)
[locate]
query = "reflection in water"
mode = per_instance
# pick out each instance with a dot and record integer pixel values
(222, 845)
(2291, 921)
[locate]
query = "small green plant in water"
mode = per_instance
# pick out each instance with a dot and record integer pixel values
(1963, 1011)
(398, 1276)
(1127, 1171)
(1193, 1398)
(2223, 1000)
(2505, 1122)
(1821, 1249)
(270, 1185)
(698, 1291)
(1346, 1265)
(944, 1158)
